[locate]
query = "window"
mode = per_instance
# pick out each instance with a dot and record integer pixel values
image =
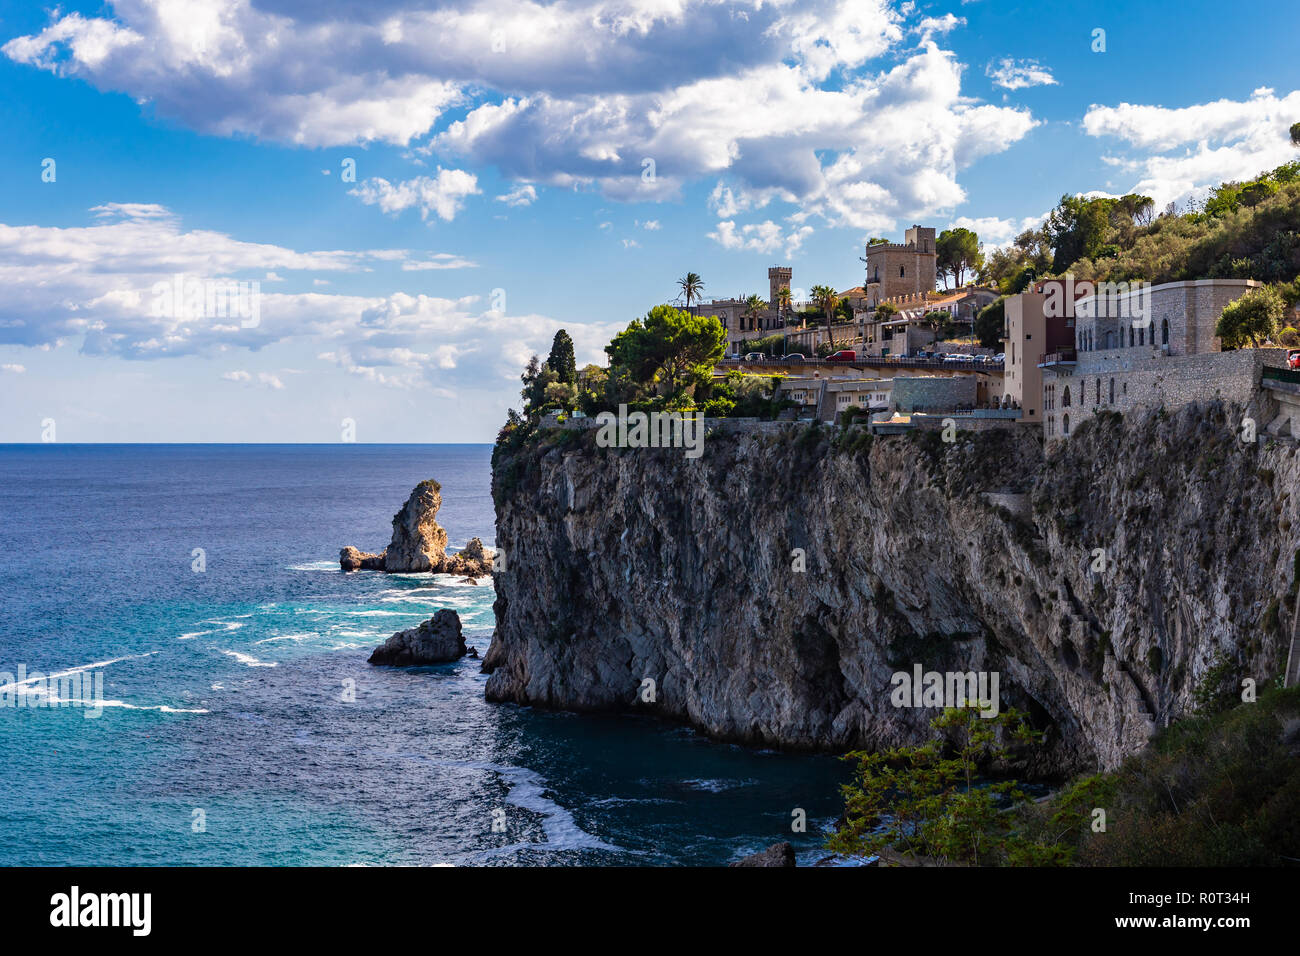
(900, 272)
(1065, 403)
(1142, 336)
(1112, 391)
(1065, 423)
(1164, 331)
(1130, 336)
(1097, 401)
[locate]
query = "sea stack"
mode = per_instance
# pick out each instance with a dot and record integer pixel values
(419, 543)
(436, 641)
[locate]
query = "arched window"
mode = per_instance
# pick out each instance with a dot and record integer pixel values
(1142, 336)
(1164, 331)
(1097, 400)
(1065, 399)
(1112, 391)
(1130, 336)
(901, 272)
(1065, 424)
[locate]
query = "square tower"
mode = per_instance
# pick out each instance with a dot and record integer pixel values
(778, 278)
(902, 268)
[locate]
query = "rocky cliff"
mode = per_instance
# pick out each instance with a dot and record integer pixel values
(1105, 582)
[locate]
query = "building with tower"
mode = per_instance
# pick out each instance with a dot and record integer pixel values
(902, 268)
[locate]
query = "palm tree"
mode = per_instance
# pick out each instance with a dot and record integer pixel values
(827, 299)
(783, 302)
(754, 308)
(691, 285)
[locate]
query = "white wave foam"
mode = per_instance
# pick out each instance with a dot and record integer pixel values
(73, 670)
(285, 637)
(248, 659)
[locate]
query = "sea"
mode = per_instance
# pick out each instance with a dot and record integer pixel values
(241, 723)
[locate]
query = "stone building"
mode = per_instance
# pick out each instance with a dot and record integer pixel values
(1147, 347)
(735, 317)
(906, 268)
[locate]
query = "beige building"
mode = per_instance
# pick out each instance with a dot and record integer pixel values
(1031, 334)
(906, 268)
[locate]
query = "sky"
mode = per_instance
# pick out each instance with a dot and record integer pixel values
(424, 192)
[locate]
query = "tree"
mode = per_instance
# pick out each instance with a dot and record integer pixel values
(561, 360)
(754, 308)
(941, 322)
(958, 252)
(691, 285)
(827, 299)
(928, 803)
(671, 347)
(1295, 134)
(1254, 318)
(783, 302)
(886, 311)
(990, 323)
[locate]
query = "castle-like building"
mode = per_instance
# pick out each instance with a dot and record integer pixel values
(901, 268)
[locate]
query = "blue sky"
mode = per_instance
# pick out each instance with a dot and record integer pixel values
(501, 180)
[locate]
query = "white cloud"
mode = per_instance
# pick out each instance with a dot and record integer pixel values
(1019, 74)
(522, 194)
(443, 195)
(631, 244)
(1183, 151)
(650, 225)
(934, 26)
(784, 100)
(13, 368)
(439, 260)
(994, 232)
(766, 236)
(91, 288)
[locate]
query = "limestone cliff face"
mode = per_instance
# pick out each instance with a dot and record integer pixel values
(627, 565)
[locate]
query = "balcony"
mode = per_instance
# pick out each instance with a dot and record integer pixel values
(1065, 357)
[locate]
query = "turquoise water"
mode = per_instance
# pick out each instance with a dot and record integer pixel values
(239, 697)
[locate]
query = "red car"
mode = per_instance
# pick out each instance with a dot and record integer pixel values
(1293, 358)
(843, 355)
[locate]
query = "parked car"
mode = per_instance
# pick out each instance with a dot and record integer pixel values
(795, 357)
(843, 355)
(1293, 358)
(1000, 358)
(755, 357)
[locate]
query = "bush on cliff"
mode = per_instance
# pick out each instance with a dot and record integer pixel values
(927, 801)
(1209, 791)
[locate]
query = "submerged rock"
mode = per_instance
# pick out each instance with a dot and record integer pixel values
(350, 559)
(436, 641)
(778, 854)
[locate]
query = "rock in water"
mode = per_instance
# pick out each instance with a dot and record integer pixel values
(419, 542)
(474, 561)
(778, 854)
(436, 641)
(350, 559)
